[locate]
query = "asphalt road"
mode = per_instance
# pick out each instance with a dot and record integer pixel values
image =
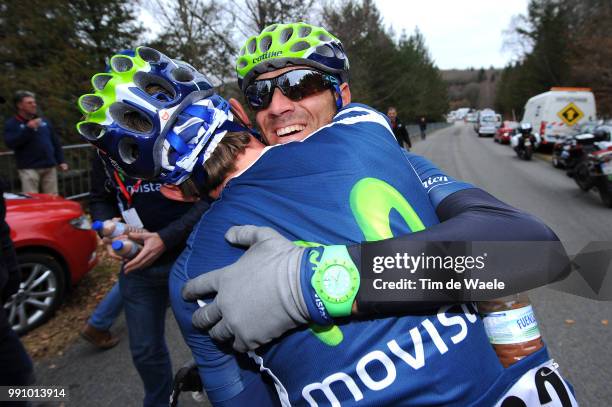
(581, 348)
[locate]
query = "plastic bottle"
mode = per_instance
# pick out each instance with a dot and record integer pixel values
(112, 229)
(127, 249)
(511, 327)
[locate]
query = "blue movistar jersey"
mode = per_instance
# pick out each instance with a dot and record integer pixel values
(322, 190)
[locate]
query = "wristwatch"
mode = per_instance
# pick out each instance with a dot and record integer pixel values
(336, 281)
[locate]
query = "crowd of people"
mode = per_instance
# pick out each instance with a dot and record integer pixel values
(257, 245)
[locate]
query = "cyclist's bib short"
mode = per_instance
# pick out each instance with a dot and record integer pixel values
(321, 190)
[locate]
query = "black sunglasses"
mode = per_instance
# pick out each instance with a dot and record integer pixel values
(296, 85)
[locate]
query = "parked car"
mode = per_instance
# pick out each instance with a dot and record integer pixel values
(55, 248)
(504, 133)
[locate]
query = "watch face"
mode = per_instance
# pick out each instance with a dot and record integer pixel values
(336, 281)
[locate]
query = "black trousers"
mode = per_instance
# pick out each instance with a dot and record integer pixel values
(16, 365)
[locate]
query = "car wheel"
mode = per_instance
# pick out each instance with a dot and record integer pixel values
(40, 293)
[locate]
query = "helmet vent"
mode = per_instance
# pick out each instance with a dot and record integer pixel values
(300, 46)
(325, 51)
(242, 63)
(182, 74)
(149, 54)
(242, 51)
(324, 37)
(251, 46)
(99, 81)
(304, 31)
(128, 150)
(264, 43)
(154, 85)
(91, 131)
(286, 34)
(121, 64)
(91, 103)
(270, 28)
(129, 118)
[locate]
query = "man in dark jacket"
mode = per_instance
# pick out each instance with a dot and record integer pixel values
(36, 147)
(16, 366)
(144, 286)
(399, 130)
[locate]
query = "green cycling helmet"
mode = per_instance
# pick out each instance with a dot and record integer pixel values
(280, 45)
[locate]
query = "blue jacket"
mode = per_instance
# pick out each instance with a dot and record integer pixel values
(33, 148)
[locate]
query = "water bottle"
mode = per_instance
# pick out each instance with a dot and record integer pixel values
(112, 229)
(511, 327)
(127, 249)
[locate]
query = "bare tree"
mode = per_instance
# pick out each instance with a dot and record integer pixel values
(199, 32)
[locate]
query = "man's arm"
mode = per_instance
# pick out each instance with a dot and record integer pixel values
(103, 198)
(16, 136)
(467, 213)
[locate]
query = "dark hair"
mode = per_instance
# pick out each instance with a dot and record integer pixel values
(222, 161)
(22, 94)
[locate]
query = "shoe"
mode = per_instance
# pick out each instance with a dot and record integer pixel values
(99, 338)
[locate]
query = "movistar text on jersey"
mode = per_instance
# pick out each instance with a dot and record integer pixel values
(410, 263)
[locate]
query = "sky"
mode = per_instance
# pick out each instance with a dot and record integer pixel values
(458, 33)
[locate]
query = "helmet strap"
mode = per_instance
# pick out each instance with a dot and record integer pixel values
(339, 98)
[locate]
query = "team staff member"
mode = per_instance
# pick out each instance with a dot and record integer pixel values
(144, 289)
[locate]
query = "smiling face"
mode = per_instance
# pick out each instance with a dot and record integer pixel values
(285, 120)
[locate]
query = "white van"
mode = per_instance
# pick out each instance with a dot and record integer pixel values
(487, 123)
(553, 114)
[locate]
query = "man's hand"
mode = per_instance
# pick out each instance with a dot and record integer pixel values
(34, 124)
(63, 167)
(152, 248)
(259, 297)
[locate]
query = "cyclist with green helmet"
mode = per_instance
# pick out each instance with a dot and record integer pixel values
(309, 67)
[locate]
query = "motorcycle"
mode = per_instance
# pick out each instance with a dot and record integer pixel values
(595, 171)
(524, 142)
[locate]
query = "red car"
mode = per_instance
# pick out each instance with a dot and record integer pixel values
(504, 133)
(55, 248)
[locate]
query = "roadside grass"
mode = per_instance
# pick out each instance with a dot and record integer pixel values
(57, 334)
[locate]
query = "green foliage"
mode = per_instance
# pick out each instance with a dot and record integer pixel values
(569, 45)
(52, 47)
(385, 72)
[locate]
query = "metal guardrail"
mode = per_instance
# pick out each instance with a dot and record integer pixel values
(72, 184)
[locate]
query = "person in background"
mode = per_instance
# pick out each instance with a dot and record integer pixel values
(399, 130)
(143, 281)
(37, 149)
(16, 366)
(423, 127)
